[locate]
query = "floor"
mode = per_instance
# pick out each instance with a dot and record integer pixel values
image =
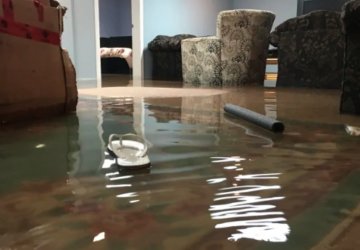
(216, 182)
(302, 104)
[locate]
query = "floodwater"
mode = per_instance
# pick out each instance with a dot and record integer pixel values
(216, 182)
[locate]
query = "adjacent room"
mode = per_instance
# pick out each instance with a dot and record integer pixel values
(162, 59)
(115, 41)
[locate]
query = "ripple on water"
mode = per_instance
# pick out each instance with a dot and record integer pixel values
(197, 193)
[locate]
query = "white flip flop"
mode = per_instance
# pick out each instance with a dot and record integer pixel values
(124, 143)
(130, 153)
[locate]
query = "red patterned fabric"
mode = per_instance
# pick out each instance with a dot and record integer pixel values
(125, 53)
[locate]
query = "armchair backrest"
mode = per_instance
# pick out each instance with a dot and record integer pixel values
(350, 16)
(244, 36)
(316, 20)
(234, 24)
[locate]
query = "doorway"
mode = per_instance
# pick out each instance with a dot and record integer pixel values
(116, 41)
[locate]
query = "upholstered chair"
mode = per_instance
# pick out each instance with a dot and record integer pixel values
(350, 97)
(310, 51)
(235, 56)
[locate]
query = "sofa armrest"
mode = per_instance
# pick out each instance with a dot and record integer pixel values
(350, 16)
(274, 39)
(167, 43)
(175, 41)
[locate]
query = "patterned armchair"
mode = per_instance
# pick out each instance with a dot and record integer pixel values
(236, 56)
(310, 50)
(350, 97)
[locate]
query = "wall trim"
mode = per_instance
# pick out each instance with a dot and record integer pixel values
(137, 17)
(97, 41)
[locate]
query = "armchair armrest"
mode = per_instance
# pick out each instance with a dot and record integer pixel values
(201, 60)
(274, 39)
(201, 47)
(210, 44)
(350, 16)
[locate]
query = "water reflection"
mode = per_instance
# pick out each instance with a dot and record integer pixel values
(353, 131)
(215, 180)
(245, 206)
(232, 204)
(255, 134)
(99, 237)
(270, 103)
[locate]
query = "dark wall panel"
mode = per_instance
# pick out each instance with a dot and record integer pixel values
(306, 6)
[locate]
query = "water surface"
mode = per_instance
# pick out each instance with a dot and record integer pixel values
(216, 182)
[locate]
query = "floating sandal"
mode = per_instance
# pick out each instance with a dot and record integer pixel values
(130, 153)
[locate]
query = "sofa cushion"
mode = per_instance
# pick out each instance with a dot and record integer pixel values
(167, 43)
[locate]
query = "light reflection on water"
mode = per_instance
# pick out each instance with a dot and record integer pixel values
(191, 187)
(252, 216)
(235, 207)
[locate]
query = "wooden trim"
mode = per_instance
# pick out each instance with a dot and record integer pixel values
(272, 61)
(271, 76)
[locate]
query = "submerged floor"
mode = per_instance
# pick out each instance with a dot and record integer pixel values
(215, 183)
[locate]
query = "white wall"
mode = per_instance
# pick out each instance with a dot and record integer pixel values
(67, 41)
(284, 9)
(172, 17)
(79, 38)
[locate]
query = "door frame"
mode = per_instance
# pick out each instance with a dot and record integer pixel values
(97, 43)
(137, 16)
